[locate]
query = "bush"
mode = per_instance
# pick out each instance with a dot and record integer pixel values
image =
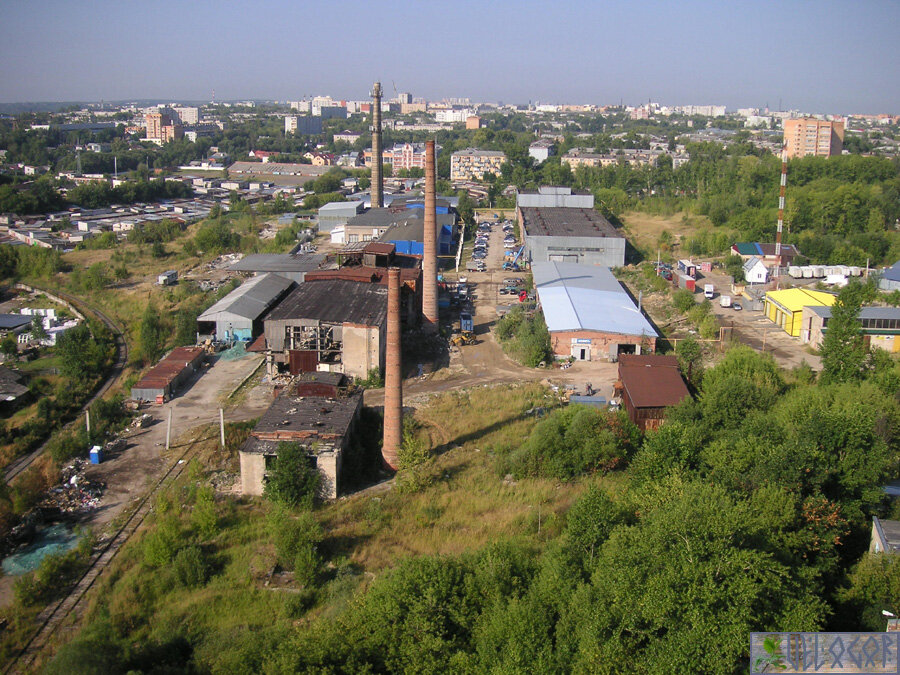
(575, 440)
(53, 576)
(683, 300)
(204, 517)
(190, 568)
(293, 481)
(296, 539)
(162, 543)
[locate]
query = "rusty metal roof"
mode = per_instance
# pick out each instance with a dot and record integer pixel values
(162, 374)
(652, 381)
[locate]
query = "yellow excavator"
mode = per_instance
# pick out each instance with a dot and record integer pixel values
(464, 338)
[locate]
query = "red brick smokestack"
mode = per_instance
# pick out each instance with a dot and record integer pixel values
(393, 380)
(429, 263)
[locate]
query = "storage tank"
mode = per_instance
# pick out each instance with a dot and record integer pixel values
(795, 271)
(807, 271)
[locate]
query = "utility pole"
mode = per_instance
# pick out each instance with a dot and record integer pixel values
(87, 417)
(169, 429)
(222, 426)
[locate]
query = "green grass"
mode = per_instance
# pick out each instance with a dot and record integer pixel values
(465, 506)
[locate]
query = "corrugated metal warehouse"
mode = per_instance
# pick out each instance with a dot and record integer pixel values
(289, 265)
(588, 313)
(168, 376)
(571, 235)
(329, 325)
(238, 316)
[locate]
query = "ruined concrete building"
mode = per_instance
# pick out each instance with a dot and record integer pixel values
(315, 411)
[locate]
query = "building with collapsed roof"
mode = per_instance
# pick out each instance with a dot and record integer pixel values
(239, 315)
(648, 384)
(570, 235)
(169, 375)
(589, 314)
(330, 324)
(315, 411)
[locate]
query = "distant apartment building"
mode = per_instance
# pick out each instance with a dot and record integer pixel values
(472, 164)
(403, 156)
(347, 136)
(580, 157)
(188, 115)
(302, 124)
(541, 149)
(809, 136)
(473, 122)
(161, 128)
(452, 116)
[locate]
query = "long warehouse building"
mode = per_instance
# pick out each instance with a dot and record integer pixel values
(239, 315)
(589, 314)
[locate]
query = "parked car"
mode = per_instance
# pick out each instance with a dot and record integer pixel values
(736, 306)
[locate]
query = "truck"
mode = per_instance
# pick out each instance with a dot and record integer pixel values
(709, 291)
(466, 323)
(725, 300)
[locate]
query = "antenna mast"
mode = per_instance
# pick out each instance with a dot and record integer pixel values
(781, 205)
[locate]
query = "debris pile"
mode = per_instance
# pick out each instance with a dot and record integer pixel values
(76, 493)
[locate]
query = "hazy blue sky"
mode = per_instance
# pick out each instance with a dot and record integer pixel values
(817, 56)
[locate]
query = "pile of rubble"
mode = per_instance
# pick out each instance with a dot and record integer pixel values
(76, 493)
(224, 261)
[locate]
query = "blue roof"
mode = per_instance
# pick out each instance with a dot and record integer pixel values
(8, 321)
(892, 273)
(586, 297)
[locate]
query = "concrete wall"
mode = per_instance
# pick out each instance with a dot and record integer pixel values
(603, 251)
(596, 344)
(363, 350)
(253, 470)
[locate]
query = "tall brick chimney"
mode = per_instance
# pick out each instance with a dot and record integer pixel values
(377, 188)
(393, 377)
(430, 317)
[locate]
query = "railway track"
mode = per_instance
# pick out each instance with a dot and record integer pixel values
(54, 615)
(19, 465)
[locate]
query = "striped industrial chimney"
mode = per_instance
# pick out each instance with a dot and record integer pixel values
(430, 318)
(393, 377)
(377, 187)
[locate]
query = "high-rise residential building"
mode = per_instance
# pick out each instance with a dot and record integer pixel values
(155, 122)
(188, 114)
(810, 136)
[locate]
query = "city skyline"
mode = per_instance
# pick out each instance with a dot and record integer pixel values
(785, 55)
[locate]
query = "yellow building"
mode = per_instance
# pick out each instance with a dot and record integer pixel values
(785, 307)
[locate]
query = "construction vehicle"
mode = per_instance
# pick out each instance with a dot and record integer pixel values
(464, 338)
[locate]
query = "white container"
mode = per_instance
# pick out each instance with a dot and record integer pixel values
(795, 271)
(807, 271)
(855, 271)
(844, 269)
(818, 271)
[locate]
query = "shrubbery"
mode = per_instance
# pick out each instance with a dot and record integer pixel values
(573, 441)
(525, 337)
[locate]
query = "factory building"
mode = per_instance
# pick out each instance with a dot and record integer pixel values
(328, 324)
(407, 223)
(238, 316)
(288, 265)
(570, 235)
(547, 196)
(589, 314)
(333, 214)
(316, 412)
(880, 326)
